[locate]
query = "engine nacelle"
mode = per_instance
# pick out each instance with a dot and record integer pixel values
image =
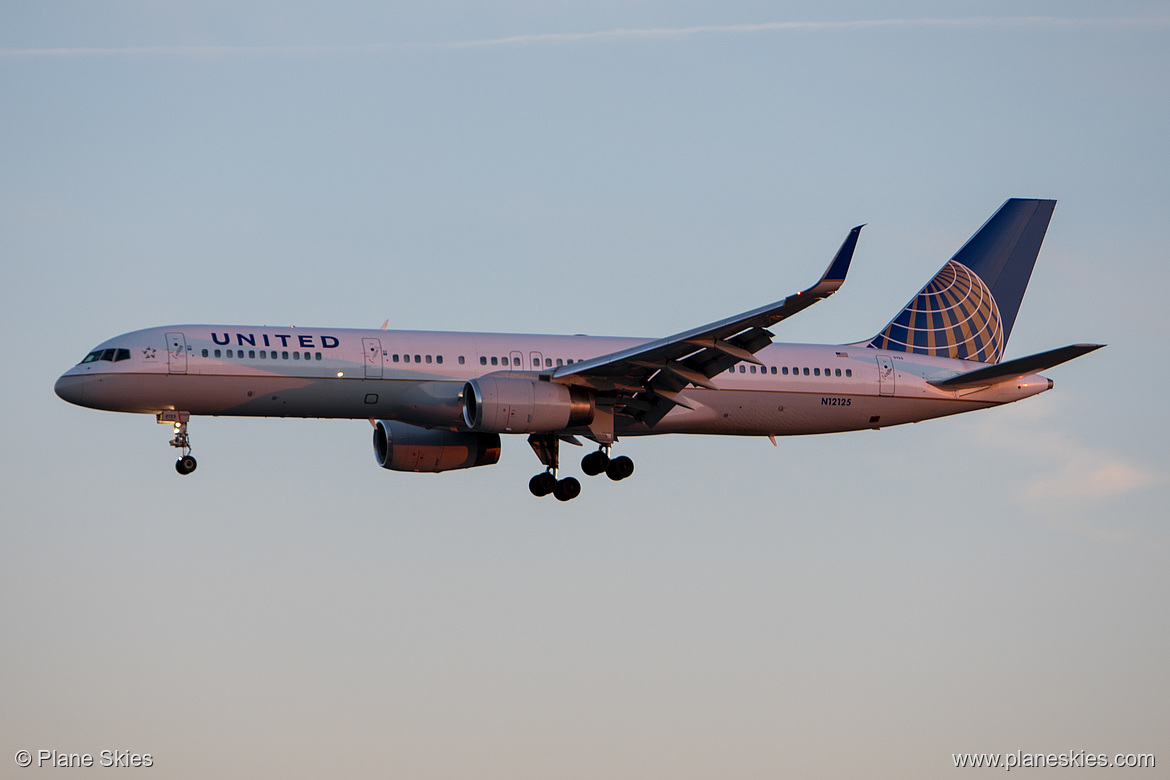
(518, 405)
(399, 446)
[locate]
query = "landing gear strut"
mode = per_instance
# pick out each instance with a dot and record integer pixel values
(186, 464)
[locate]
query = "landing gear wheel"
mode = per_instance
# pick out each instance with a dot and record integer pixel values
(542, 484)
(185, 464)
(619, 468)
(567, 489)
(594, 463)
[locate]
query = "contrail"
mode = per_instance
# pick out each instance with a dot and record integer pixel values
(619, 34)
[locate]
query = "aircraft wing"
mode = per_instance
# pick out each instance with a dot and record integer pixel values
(646, 379)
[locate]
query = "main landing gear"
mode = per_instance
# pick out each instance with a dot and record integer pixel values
(616, 469)
(547, 448)
(546, 482)
(186, 464)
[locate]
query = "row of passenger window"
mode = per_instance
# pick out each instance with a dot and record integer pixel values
(113, 355)
(517, 362)
(123, 354)
(484, 360)
(784, 370)
(423, 358)
(264, 354)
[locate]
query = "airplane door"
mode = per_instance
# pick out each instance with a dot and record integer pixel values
(885, 375)
(176, 353)
(517, 361)
(373, 360)
(536, 359)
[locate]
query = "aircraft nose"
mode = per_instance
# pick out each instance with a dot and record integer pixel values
(70, 388)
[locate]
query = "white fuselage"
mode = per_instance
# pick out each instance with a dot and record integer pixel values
(418, 377)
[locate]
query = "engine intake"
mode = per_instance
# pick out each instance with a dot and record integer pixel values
(515, 405)
(399, 446)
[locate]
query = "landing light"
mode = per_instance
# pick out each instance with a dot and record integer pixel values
(341, 373)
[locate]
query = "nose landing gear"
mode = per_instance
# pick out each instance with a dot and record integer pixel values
(186, 464)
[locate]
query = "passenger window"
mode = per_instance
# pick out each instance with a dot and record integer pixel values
(806, 371)
(816, 372)
(849, 372)
(438, 358)
(252, 353)
(229, 353)
(548, 362)
(460, 360)
(482, 360)
(296, 356)
(204, 353)
(752, 370)
(838, 372)
(559, 363)
(284, 356)
(515, 361)
(394, 357)
(317, 355)
(495, 361)
(428, 358)
(417, 359)
(784, 370)
(217, 353)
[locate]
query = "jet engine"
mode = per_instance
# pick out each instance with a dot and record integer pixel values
(402, 447)
(518, 405)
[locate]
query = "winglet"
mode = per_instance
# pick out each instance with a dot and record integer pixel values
(840, 265)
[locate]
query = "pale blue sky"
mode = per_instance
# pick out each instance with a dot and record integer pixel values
(857, 604)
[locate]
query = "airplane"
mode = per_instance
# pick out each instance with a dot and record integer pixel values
(441, 400)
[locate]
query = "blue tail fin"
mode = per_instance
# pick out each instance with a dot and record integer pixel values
(967, 310)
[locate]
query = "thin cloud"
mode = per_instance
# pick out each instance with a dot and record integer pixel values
(1072, 486)
(620, 34)
(1089, 476)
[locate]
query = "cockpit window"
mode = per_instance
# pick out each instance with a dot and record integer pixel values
(112, 355)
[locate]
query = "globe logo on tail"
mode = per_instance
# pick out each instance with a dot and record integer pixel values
(954, 316)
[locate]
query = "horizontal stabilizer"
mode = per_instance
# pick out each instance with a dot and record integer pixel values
(1016, 368)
